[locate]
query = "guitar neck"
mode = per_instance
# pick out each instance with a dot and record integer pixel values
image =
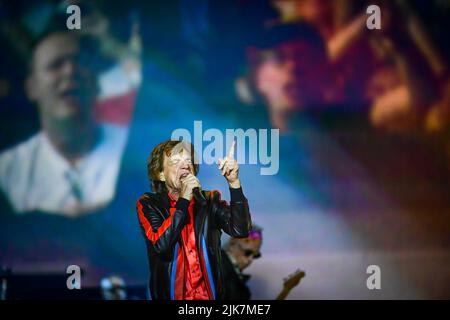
(283, 294)
(289, 283)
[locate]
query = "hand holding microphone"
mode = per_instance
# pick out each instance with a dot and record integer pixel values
(188, 184)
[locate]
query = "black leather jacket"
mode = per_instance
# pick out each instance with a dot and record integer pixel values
(162, 233)
(235, 287)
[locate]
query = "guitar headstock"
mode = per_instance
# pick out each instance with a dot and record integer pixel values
(293, 279)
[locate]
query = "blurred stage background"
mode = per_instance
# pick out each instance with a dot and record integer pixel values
(363, 115)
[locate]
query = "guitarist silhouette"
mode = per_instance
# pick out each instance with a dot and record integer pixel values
(237, 255)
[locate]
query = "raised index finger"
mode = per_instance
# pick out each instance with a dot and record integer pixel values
(231, 152)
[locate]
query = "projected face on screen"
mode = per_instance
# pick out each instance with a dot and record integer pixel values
(71, 165)
(59, 84)
(291, 76)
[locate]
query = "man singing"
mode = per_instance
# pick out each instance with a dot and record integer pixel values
(182, 224)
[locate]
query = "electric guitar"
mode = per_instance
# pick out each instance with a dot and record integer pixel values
(290, 282)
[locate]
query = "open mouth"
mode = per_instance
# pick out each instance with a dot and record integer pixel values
(71, 92)
(184, 175)
(71, 89)
(73, 95)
